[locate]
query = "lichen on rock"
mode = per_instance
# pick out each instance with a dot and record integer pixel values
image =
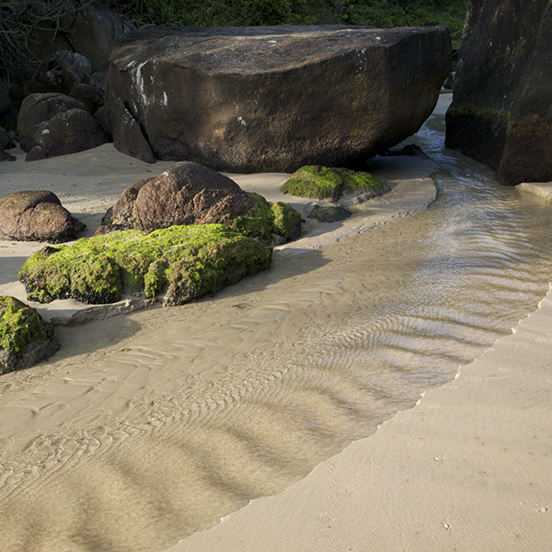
(318, 182)
(175, 265)
(25, 338)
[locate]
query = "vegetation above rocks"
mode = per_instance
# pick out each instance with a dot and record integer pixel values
(317, 182)
(28, 26)
(177, 264)
(378, 13)
(21, 325)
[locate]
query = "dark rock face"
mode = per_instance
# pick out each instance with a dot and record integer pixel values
(187, 193)
(5, 101)
(5, 143)
(253, 99)
(25, 339)
(56, 124)
(5, 140)
(36, 216)
(89, 95)
(127, 134)
(95, 32)
(501, 112)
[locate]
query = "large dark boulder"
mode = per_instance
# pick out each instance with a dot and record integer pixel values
(25, 339)
(253, 99)
(55, 124)
(36, 216)
(501, 112)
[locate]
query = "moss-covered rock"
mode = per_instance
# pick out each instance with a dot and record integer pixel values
(265, 220)
(25, 339)
(258, 222)
(354, 181)
(287, 221)
(317, 182)
(176, 264)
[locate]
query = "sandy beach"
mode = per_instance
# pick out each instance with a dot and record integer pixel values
(99, 441)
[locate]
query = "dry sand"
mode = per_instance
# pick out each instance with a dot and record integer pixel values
(467, 469)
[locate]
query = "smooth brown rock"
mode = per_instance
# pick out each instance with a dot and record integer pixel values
(36, 216)
(187, 193)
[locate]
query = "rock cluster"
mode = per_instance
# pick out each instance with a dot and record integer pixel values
(501, 112)
(54, 124)
(73, 66)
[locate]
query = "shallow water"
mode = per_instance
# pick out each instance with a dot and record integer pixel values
(148, 427)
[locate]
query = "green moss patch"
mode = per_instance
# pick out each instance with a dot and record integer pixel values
(21, 325)
(354, 181)
(314, 181)
(287, 221)
(180, 263)
(317, 182)
(265, 219)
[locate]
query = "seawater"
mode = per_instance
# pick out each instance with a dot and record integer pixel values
(149, 427)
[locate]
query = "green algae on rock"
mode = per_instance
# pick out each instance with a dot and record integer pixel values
(265, 220)
(314, 181)
(175, 265)
(25, 339)
(318, 182)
